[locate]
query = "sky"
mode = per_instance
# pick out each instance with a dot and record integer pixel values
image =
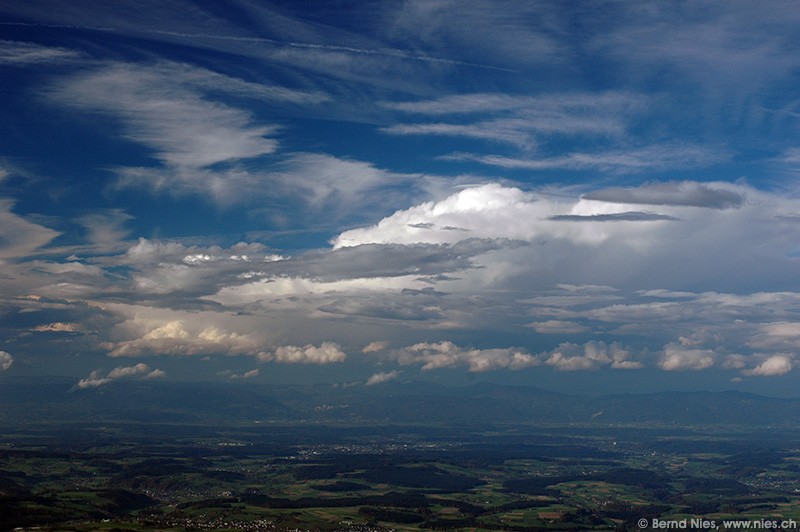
(596, 196)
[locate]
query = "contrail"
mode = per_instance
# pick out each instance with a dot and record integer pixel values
(387, 52)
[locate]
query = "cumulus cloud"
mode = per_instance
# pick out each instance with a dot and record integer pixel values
(773, 365)
(374, 347)
(677, 357)
(481, 211)
(246, 375)
(681, 244)
(273, 288)
(447, 354)
(483, 257)
(381, 377)
(157, 251)
(735, 361)
(707, 263)
(495, 211)
(142, 371)
(179, 337)
(6, 360)
(156, 374)
(326, 353)
(591, 355)
(58, 327)
(189, 271)
(776, 335)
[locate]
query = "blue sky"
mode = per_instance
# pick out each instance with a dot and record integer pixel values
(594, 196)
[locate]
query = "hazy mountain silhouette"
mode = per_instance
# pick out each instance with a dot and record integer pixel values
(45, 399)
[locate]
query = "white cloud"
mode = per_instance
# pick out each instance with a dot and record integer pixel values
(161, 109)
(734, 361)
(374, 347)
(168, 267)
(666, 294)
(776, 335)
(483, 211)
(156, 374)
(520, 120)
(690, 241)
(496, 131)
(321, 179)
(154, 336)
(591, 355)
(140, 370)
(148, 250)
(156, 251)
(278, 287)
(705, 43)
(677, 357)
(507, 32)
(790, 157)
(655, 157)
(169, 107)
(58, 327)
(93, 380)
(558, 327)
(496, 211)
(105, 228)
(313, 180)
(381, 377)
(684, 193)
(26, 53)
(447, 354)
(120, 372)
(246, 375)
(484, 257)
(558, 107)
(773, 365)
(326, 353)
(6, 360)
(20, 237)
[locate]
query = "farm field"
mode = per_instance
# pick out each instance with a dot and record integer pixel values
(394, 477)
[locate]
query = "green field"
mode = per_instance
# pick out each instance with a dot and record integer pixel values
(520, 478)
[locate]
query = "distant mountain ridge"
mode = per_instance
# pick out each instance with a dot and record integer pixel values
(56, 399)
